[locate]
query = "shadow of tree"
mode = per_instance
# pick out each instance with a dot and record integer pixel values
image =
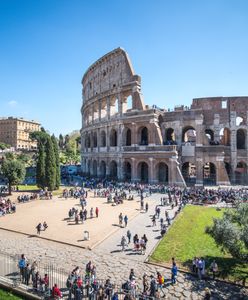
(229, 268)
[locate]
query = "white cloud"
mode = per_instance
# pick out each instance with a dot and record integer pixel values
(12, 103)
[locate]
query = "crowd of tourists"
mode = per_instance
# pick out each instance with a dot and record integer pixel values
(83, 282)
(6, 206)
(27, 197)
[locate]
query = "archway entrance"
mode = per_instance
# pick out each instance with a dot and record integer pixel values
(103, 169)
(163, 173)
(127, 171)
(113, 170)
(144, 136)
(94, 168)
(189, 173)
(241, 173)
(209, 174)
(143, 172)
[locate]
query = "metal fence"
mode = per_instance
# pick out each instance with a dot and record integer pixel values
(92, 290)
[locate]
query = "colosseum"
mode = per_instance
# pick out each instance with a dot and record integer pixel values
(124, 139)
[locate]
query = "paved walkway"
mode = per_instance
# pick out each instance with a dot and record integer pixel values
(111, 263)
(141, 224)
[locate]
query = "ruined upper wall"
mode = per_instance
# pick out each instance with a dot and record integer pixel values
(111, 71)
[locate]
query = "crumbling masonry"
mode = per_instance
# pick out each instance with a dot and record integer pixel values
(124, 139)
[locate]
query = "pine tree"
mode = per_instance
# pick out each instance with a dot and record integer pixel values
(40, 167)
(50, 165)
(57, 161)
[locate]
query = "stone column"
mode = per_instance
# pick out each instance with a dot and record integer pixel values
(107, 168)
(99, 110)
(120, 169)
(151, 170)
(134, 176)
(92, 113)
(199, 131)
(134, 138)
(98, 139)
(120, 104)
(199, 172)
(233, 142)
(108, 107)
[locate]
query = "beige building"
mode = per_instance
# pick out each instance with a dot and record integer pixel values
(15, 132)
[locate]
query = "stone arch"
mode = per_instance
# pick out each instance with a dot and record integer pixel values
(241, 139)
(94, 139)
(225, 136)
(103, 169)
(143, 135)
(162, 171)
(228, 168)
(89, 166)
(113, 170)
(103, 138)
(94, 168)
(169, 136)
(209, 174)
(189, 173)
(241, 173)
(127, 137)
(143, 172)
(189, 134)
(210, 135)
(127, 168)
(113, 138)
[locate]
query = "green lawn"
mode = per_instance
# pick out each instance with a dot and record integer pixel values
(8, 296)
(187, 238)
(34, 188)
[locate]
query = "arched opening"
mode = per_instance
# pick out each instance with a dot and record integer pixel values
(163, 173)
(241, 173)
(94, 168)
(241, 139)
(129, 103)
(239, 121)
(103, 169)
(128, 137)
(113, 170)
(113, 138)
(225, 136)
(169, 136)
(103, 139)
(95, 140)
(144, 136)
(143, 172)
(209, 174)
(189, 135)
(189, 173)
(127, 171)
(210, 136)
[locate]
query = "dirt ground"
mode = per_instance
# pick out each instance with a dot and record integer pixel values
(60, 228)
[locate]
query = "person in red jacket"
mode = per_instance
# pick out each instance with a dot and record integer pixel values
(56, 293)
(97, 211)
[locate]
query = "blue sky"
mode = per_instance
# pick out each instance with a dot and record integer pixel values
(182, 50)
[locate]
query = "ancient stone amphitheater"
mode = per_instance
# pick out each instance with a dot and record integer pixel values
(125, 139)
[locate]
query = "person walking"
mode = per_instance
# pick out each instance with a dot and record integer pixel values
(154, 220)
(125, 220)
(97, 212)
(120, 219)
(129, 235)
(146, 207)
(123, 243)
(214, 268)
(38, 227)
(173, 273)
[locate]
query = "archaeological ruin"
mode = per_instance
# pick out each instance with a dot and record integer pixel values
(124, 139)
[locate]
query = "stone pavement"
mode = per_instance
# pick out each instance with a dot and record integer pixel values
(141, 224)
(114, 264)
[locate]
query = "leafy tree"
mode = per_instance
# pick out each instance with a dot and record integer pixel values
(14, 171)
(40, 167)
(57, 161)
(50, 162)
(231, 231)
(61, 141)
(4, 146)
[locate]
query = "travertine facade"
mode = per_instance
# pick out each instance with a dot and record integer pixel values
(15, 132)
(125, 139)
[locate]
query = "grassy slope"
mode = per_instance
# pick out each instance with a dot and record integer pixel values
(187, 238)
(8, 296)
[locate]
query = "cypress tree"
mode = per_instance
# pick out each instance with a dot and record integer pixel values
(50, 165)
(40, 167)
(57, 161)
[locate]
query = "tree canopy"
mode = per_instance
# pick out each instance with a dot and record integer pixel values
(231, 231)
